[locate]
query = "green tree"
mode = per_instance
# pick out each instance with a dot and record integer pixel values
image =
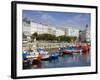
(62, 38)
(50, 37)
(34, 36)
(46, 37)
(71, 38)
(66, 38)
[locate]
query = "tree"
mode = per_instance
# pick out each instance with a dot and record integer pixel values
(66, 38)
(71, 38)
(46, 37)
(34, 36)
(50, 37)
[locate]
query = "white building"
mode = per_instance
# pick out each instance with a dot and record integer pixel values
(26, 29)
(35, 28)
(40, 28)
(71, 32)
(59, 32)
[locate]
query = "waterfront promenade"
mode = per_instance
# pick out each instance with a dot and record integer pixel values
(45, 45)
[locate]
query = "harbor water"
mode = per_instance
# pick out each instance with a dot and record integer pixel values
(74, 60)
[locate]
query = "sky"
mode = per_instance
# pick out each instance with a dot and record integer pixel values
(59, 19)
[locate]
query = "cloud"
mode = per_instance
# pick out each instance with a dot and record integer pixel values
(78, 21)
(47, 19)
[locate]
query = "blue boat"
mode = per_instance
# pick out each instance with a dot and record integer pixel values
(54, 55)
(25, 59)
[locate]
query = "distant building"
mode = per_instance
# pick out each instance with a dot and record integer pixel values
(88, 36)
(41, 29)
(26, 29)
(71, 32)
(59, 32)
(51, 30)
(84, 35)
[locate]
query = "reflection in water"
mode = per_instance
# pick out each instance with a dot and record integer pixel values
(75, 60)
(38, 65)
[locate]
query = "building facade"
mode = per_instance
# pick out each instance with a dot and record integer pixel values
(30, 27)
(59, 32)
(84, 36)
(41, 29)
(88, 36)
(26, 29)
(71, 32)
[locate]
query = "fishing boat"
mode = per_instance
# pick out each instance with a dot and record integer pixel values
(61, 49)
(25, 59)
(54, 55)
(84, 47)
(72, 50)
(44, 54)
(34, 56)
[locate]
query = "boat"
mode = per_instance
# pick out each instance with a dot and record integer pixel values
(25, 59)
(45, 57)
(54, 55)
(72, 50)
(34, 56)
(84, 47)
(44, 54)
(61, 51)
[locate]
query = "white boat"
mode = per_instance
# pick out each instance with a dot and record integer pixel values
(45, 57)
(72, 50)
(44, 54)
(34, 56)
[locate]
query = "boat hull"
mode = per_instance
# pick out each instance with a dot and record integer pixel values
(71, 51)
(45, 57)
